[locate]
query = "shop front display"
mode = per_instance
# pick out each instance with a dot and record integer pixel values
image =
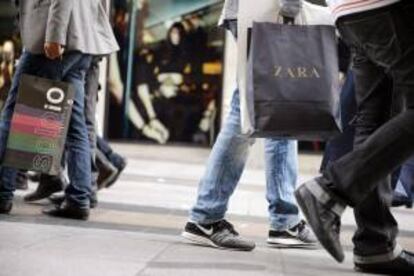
(176, 74)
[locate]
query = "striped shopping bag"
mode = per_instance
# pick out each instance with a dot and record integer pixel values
(39, 125)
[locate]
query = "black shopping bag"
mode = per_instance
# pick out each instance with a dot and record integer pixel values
(39, 125)
(293, 81)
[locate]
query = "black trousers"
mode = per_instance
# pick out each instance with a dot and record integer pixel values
(382, 42)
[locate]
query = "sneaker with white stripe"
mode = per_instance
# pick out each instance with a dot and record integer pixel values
(298, 236)
(218, 235)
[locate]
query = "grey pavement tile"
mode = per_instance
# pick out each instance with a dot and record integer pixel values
(32, 263)
(58, 240)
(186, 259)
(43, 250)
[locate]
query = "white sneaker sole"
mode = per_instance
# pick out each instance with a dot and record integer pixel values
(198, 240)
(289, 243)
(195, 239)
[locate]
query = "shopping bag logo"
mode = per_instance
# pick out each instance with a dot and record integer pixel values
(299, 72)
(42, 163)
(55, 97)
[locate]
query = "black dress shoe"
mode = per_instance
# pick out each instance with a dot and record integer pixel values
(121, 167)
(93, 200)
(22, 181)
(106, 173)
(324, 221)
(34, 177)
(48, 185)
(6, 206)
(67, 210)
(398, 201)
(59, 199)
(402, 265)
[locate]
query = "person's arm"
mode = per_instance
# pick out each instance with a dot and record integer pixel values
(57, 27)
(144, 95)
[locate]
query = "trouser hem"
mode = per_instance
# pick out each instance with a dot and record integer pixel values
(380, 258)
(325, 198)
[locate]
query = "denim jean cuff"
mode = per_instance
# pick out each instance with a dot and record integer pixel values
(284, 222)
(203, 219)
(380, 258)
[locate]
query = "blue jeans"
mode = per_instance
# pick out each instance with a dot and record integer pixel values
(225, 167)
(70, 69)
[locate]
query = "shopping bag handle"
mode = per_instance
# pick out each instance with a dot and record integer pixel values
(286, 19)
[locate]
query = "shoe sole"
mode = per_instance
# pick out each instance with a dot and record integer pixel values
(113, 181)
(60, 201)
(29, 199)
(283, 243)
(109, 181)
(207, 242)
(299, 194)
(82, 217)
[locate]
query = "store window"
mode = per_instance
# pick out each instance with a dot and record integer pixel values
(166, 86)
(9, 47)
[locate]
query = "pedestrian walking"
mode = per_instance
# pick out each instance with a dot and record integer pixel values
(60, 38)
(381, 36)
(207, 224)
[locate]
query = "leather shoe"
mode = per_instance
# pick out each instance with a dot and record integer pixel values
(322, 216)
(58, 199)
(48, 185)
(67, 210)
(402, 265)
(6, 206)
(121, 167)
(398, 201)
(22, 182)
(106, 173)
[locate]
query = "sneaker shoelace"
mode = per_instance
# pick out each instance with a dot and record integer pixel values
(304, 232)
(225, 225)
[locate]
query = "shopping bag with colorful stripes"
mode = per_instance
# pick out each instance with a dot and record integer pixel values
(39, 125)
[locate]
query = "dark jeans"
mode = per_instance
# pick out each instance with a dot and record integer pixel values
(72, 69)
(382, 41)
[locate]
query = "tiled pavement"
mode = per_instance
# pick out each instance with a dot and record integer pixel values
(135, 230)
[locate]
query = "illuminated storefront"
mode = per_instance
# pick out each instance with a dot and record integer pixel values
(165, 84)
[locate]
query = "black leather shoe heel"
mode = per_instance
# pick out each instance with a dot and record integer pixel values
(403, 265)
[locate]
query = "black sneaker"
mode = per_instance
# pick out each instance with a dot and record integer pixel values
(219, 235)
(298, 236)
